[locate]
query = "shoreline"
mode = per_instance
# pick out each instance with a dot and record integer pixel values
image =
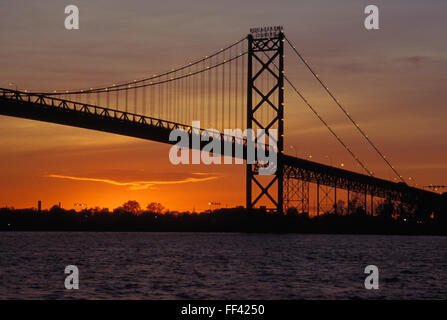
(222, 221)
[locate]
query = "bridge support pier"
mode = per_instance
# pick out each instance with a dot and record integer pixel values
(366, 200)
(296, 194)
(348, 206)
(335, 199)
(318, 198)
(325, 198)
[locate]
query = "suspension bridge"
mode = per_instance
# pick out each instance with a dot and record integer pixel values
(239, 86)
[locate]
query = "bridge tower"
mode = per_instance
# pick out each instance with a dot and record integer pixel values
(266, 60)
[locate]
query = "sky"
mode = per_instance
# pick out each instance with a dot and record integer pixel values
(391, 80)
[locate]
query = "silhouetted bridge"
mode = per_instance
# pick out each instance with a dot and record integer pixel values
(222, 93)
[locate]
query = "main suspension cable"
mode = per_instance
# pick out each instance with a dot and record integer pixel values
(323, 121)
(344, 110)
(134, 82)
(329, 127)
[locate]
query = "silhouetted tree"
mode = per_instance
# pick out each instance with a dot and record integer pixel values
(97, 210)
(355, 204)
(385, 209)
(130, 206)
(56, 209)
(155, 207)
(340, 208)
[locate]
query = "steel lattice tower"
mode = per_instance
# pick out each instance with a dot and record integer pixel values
(266, 51)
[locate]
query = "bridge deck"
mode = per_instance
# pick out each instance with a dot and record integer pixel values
(59, 111)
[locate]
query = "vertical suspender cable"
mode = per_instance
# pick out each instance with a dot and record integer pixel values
(229, 89)
(223, 93)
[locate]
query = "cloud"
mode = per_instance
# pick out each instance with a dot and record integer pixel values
(200, 173)
(134, 185)
(415, 60)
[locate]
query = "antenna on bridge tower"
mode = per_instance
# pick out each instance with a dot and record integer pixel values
(266, 41)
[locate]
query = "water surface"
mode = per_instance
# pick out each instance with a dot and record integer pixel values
(119, 265)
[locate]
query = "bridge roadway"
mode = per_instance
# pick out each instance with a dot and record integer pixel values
(54, 110)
